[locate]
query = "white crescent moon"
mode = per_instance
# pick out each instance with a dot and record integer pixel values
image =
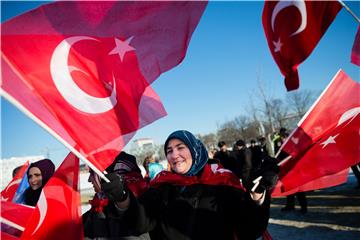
(300, 5)
(60, 73)
(17, 181)
(352, 113)
(42, 205)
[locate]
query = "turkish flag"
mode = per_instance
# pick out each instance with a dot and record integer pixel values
(84, 68)
(293, 29)
(339, 101)
(57, 213)
(9, 192)
(355, 52)
(327, 139)
(15, 216)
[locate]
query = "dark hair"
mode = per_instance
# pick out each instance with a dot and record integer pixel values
(240, 142)
(252, 141)
(221, 144)
(282, 130)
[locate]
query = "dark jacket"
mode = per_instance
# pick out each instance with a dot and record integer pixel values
(243, 159)
(108, 225)
(198, 212)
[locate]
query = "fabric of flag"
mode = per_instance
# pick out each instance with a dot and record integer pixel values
(319, 183)
(293, 29)
(355, 52)
(9, 192)
(82, 67)
(57, 213)
(327, 139)
(14, 218)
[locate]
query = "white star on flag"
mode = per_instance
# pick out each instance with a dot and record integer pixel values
(331, 139)
(122, 47)
(277, 45)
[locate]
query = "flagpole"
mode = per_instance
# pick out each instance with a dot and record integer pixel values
(52, 132)
(349, 10)
(303, 119)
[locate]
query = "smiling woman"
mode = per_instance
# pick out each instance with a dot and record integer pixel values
(194, 200)
(38, 175)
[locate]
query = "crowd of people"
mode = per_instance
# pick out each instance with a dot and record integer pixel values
(215, 194)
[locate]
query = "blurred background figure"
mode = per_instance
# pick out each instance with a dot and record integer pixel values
(152, 167)
(290, 199)
(356, 171)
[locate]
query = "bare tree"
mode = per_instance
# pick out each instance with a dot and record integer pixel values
(209, 140)
(299, 101)
(279, 111)
(228, 132)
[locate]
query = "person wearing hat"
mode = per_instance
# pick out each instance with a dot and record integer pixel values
(195, 200)
(102, 221)
(38, 174)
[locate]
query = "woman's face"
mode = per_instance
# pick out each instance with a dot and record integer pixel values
(178, 156)
(35, 178)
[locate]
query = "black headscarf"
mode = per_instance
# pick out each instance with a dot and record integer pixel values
(47, 169)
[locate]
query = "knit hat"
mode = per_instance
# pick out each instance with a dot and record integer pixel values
(47, 169)
(197, 149)
(123, 163)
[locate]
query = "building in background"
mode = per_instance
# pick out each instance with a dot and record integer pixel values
(142, 145)
(8, 165)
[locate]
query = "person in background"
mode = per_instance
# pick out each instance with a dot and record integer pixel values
(101, 221)
(195, 200)
(262, 145)
(152, 167)
(356, 171)
(290, 199)
(15, 170)
(211, 154)
(224, 157)
(38, 174)
(243, 162)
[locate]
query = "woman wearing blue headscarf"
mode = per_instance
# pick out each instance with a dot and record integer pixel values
(195, 200)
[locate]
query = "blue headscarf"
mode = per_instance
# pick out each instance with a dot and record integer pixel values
(198, 151)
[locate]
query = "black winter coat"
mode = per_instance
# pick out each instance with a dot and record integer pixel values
(108, 225)
(198, 212)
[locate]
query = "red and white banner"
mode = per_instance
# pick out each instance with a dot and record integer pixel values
(9, 192)
(327, 139)
(293, 29)
(58, 211)
(84, 68)
(14, 217)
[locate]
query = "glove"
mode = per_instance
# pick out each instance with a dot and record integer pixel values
(116, 190)
(269, 171)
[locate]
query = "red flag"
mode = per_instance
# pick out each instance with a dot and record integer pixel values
(9, 192)
(82, 67)
(322, 182)
(326, 140)
(293, 29)
(16, 216)
(355, 53)
(57, 213)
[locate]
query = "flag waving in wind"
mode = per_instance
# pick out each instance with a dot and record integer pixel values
(293, 29)
(9, 192)
(327, 139)
(57, 213)
(83, 69)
